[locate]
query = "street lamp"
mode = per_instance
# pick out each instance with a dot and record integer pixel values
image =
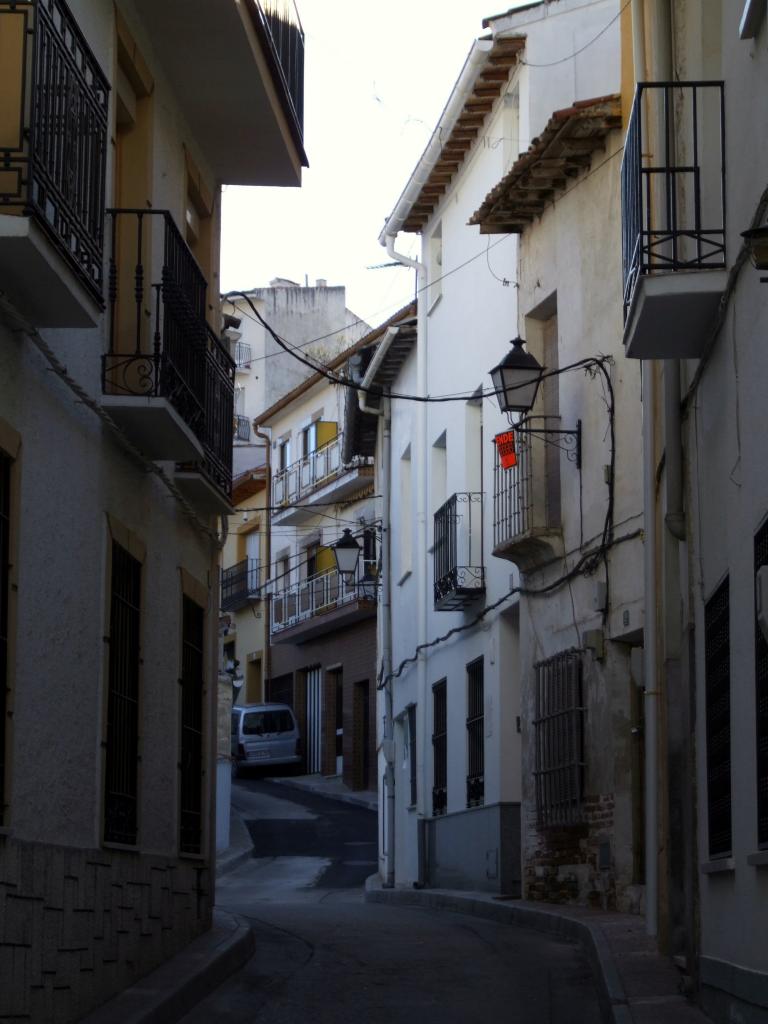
(516, 379)
(756, 240)
(516, 382)
(346, 551)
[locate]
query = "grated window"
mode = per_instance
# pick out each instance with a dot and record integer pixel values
(559, 737)
(5, 587)
(439, 748)
(122, 743)
(475, 737)
(717, 674)
(761, 703)
(191, 766)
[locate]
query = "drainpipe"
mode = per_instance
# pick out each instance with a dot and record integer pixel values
(420, 564)
(385, 482)
(386, 636)
(267, 439)
(649, 578)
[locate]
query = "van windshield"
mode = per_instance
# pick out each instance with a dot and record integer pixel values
(259, 723)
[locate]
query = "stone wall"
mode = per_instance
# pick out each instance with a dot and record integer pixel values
(78, 926)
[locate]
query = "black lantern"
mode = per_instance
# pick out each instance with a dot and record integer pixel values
(756, 240)
(516, 379)
(346, 550)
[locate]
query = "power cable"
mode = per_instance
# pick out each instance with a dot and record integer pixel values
(562, 60)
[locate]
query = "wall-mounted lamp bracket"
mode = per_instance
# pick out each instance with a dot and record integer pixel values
(570, 440)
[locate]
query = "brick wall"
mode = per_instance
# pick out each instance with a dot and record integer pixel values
(78, 926)
(574, 864)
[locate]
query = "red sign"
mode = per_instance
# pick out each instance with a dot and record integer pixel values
(505, 443)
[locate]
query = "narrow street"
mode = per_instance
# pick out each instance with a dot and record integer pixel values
(323, 954)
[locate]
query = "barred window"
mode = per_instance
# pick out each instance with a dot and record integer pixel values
(412, 753)
(439, 748)
(475, 735)
(5, 517)
(717, 680)
(191, 765)
(122, 743)
(559, 740)
(761, 702)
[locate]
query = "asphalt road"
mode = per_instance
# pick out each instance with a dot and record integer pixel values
(325, 956)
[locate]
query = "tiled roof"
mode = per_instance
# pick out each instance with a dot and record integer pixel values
(563, 151)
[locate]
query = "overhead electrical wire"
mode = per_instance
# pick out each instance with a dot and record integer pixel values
(570, 56)
(379, 392)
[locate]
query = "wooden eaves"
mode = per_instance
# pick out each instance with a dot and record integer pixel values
(562, 152)
(489, 86)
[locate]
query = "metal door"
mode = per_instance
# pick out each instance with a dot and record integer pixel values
(314, 719)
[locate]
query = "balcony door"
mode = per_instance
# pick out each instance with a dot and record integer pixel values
(132, 242)
(253, 556)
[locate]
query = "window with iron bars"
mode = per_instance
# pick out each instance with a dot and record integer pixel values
(5, 588)
(121, 754)
(412, 753)
(439, 748)
(191, 765)
(475, 735)
(559, 740)
(761, 702)
(717, 681)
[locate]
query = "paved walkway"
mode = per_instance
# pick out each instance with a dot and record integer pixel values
(638, 986)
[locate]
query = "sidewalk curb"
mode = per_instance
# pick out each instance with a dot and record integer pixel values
(177, 986)
(346, 798)
(240, 848)
(613, 1000)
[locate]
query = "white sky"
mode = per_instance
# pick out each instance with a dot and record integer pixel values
(377, 76)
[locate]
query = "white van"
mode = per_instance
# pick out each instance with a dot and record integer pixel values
(264, 735)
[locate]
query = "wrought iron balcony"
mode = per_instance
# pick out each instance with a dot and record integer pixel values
(242, 428)
(241, 583)
(323, 602)
(458, 552)
(319, 476)
(167, 379)
(282, 28)
(673, 216)
(243, 355)
(526, 519)
(53, 149)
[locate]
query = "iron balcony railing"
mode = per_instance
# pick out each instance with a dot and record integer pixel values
(322, 593)
(243, 355)
(459, 576)
(301, 478)
(513, 494)
(242, 428)
(241, 583)
(53, 147)
(673, 181)
(281, 28)
(160, 344)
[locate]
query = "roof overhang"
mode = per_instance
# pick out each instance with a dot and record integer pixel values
(562, 152)
(482, 81)
(387, 358)
(219, 64)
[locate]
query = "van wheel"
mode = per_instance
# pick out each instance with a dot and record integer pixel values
(237, 771)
